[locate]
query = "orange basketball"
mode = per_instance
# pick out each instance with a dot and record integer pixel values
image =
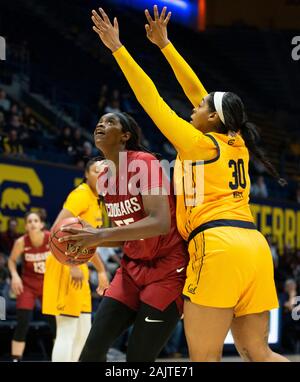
(58, 249)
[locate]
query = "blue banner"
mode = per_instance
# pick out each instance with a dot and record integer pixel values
(183, 11)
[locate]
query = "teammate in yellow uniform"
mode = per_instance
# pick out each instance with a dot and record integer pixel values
(66, 292)
(230, 275)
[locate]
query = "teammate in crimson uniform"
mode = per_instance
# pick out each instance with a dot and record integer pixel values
(146, 290)
(34, 248)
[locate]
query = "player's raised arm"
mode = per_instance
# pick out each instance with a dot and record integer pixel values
(157, 33)
(145, 91)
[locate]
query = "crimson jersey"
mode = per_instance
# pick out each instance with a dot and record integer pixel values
(34, 261)
(140, 172)
(152, 270)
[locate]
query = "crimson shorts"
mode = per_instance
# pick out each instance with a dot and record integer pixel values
(159, 294)
(26, 300)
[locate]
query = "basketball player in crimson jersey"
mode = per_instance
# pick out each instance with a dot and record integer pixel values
(146, 290)
(34, 248)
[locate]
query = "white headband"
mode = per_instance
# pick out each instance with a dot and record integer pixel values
(218, 97)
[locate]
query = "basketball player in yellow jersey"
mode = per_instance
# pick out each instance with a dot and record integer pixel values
(66, 292)
(230, 275)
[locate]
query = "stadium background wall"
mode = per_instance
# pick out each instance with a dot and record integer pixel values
(282, 14)
(28, 185)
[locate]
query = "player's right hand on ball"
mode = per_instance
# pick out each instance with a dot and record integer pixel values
(77, 277)
(17, 285)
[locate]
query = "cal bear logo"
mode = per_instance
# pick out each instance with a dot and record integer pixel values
(15, 199)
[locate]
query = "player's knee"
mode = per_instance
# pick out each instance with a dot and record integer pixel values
(206, 354)
(255, 352)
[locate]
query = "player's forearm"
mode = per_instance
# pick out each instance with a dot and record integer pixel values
(12, 266)
(185, 75)
(112, 244)
(150, 226)
(98, 264)
(141, 84)
(147, 95)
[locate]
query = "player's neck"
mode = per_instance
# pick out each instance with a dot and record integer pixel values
(113, 154)
(36, 238)
(93, 189)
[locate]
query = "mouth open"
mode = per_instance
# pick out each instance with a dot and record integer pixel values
(99, 134)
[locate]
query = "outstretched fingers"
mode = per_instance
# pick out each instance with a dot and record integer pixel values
(98, 31)
(156, 13)
(98, 22)
(163, 14)
(162, 18)
(98, 19)
(167, 19)
(104, 16)
(148, 17)
(116, 24)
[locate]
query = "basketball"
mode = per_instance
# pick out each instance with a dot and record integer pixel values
(58, 249)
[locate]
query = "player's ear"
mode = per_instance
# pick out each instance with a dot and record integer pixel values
(125, 137)
(213, 117)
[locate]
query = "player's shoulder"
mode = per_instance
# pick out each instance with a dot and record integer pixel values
(82, 190)
(141, 155)
(231, 140)
(21, 240)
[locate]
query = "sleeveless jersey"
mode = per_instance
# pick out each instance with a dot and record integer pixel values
(34, 261)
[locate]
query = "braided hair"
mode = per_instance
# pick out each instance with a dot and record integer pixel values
(236, 120)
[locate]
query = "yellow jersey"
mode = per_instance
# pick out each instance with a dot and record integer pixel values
(211, 172)
(84, 203)
(59, 294)
(217, 188)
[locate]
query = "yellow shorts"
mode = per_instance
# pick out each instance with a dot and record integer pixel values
(231, 267)
(59, 295)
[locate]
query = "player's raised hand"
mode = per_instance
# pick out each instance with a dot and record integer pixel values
(156, 28)
(108, 32)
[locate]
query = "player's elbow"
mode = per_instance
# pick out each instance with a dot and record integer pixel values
(163, 224)
(165, 229)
